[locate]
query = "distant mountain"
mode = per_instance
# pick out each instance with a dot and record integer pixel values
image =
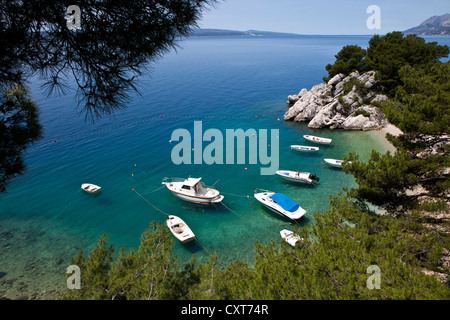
(436, 25)
(230, 33)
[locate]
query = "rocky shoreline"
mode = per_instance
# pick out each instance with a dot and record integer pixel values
(345, 102)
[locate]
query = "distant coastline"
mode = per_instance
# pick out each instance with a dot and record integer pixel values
(235, 33)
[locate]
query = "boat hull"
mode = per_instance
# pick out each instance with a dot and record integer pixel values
(205, 196)
(198, 200)
(174, 222)
(303, 177)
(263, 199)
(90, 188)
(304, 149)
(318, 140)
(334, 163)
(290, 237)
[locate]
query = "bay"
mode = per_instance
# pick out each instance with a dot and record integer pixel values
(225, 82)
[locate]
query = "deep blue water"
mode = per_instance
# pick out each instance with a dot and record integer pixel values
(227, 83)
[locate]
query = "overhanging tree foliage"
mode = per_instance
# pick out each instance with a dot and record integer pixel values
(116, 40)
(19, 127)
(114, 45)
(330, 263)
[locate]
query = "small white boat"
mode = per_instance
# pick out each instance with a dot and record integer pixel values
(296, 176)
(290, 237)
(304, 148)
(281, 204)
(192, 190)
(335, 163)
(319, 140)
(180, 229)
(90, 188)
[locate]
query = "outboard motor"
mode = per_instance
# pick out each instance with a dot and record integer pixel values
(313, 177)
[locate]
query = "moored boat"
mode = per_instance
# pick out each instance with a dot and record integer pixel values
(90, 188)
(281, 204)
(297, 176)
(316, 139)
(304, 148)
(290, 237)
(192, 190)
(335, 162)
(179, 229)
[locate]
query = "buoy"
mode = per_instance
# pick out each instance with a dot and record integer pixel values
(245, 169)
(132, 189)
(248, 197)
(321, 163)
(54, 140)
(132, 174)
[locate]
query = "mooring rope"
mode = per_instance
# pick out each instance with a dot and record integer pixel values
(206, 250)
(156, 208)
(163, 186)
(242, 217)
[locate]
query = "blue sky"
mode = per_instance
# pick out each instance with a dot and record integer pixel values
(320, 16)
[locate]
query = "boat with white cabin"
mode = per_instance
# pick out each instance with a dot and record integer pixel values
(316, 139)
(90, 188)
(335, 162)
(297, 176)
(304, 148)
(290, 237)
(193, 190)
(281, 204)
(179, 229)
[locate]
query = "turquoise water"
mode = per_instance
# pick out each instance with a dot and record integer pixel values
(227, 83)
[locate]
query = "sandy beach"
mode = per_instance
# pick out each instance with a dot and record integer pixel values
(381, 134)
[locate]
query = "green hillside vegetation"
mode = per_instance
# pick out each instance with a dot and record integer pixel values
(380, 223)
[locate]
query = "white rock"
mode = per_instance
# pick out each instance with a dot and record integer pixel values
(293, 98)
(335, 79)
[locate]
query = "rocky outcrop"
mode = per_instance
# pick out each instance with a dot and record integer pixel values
(344, 102)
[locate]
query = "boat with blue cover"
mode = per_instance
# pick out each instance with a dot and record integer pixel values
(281, 204)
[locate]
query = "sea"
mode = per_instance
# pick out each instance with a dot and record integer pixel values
(223, 83)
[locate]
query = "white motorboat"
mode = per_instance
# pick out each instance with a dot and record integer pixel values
(290, 237)
(90, 188)
(296, 176)
(335, 162)
(281, 204)
(304, 148)
(179, 229)
(192, 190)
(319, 140)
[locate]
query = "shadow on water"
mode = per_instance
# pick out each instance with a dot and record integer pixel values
(328, 167)
(198, 207)
(278, 216)
(93, 195)
(293, 184)
(193, 247)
